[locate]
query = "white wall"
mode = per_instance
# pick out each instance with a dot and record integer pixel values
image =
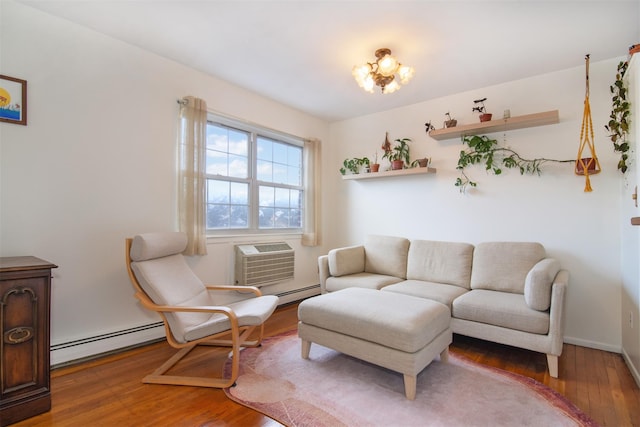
(96, 164)
(581, 229)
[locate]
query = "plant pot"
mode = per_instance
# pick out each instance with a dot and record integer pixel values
(634, 49)
(485, 117)
(450, 123)
(423, 163)
(590, 163)
(375, 167)
(397, 164)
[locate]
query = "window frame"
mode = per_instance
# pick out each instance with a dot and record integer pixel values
(256, 131)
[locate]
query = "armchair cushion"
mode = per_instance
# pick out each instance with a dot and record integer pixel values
(537, 285)
(344, 261)
(157, 245)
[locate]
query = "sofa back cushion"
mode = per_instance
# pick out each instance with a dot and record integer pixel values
(386, 255)
(440, 262)
(344, 261)
(503, 266)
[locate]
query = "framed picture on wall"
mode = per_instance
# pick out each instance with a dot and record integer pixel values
(13, 100)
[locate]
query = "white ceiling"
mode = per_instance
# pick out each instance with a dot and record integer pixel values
(301, 53)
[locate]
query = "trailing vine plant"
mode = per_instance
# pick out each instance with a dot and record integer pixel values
(483, 150)
(618, 126)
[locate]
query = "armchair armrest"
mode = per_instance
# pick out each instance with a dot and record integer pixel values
(241, 289)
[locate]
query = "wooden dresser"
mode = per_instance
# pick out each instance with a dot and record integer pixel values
(25, 299)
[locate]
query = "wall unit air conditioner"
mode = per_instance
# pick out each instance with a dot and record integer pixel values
(263, 263)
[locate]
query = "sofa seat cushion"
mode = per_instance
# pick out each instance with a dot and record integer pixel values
(444, 294)
(440, 262)
(503, 309)
(393, 320)
(360, 280)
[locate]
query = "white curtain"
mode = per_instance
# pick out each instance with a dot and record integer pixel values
(311, 232)
(192, 143)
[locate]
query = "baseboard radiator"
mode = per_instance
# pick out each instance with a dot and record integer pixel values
(77, 351)
(263, 263)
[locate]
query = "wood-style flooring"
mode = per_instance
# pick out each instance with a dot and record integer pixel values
(109, 392)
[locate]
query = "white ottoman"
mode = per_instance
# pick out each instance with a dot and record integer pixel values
(399, 332)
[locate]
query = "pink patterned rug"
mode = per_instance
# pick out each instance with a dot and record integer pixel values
(332, 389)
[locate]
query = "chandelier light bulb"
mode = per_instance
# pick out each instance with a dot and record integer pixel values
(405, 73)
(387, 66)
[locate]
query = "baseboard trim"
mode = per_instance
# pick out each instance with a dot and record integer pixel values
(633, 369)
(593, 344)
(72, 352)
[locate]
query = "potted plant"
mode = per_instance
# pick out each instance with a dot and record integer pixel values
(480, 108)
(450, 122)
(354, 165)
(398, 155)
(423, 163)
(375, 166)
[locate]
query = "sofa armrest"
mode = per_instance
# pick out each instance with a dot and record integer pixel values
(557, 312)
(323, 271)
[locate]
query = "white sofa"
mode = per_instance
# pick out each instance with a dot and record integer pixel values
(505, 292)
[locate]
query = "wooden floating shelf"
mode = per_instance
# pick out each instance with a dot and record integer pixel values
(635, 220)
(499, 125)
(389, 173)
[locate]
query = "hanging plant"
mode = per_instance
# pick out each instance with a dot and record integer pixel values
(483, 150)
(618, 126)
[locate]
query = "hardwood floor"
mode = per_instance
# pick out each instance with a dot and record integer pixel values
(109, 391)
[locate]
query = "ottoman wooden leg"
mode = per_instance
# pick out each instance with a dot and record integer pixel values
(410, 387)
(306, 347)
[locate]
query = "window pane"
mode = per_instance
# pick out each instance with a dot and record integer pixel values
(294, 175)
(279, 174)
(265, 171)
(217, 191)
(227, 151)
(266, 196)
(238, 142)
(239, 216)
(227, 204)
(295, 156)
(216, 163)
(238, 166)
(265, 149)
(280, 153)
(239, 193)
(282, 198)
(265, 217)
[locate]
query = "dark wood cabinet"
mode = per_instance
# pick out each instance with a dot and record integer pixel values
(25, 299)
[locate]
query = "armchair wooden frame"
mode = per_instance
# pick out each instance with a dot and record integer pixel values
(239, 335)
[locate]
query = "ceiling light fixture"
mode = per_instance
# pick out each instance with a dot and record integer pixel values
(382, 73)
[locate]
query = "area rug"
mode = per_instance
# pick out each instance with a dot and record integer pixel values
(332, 389)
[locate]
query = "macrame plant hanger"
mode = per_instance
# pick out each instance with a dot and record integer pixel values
(589, 165)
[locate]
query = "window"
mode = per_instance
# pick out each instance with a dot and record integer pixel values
(254, 179)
